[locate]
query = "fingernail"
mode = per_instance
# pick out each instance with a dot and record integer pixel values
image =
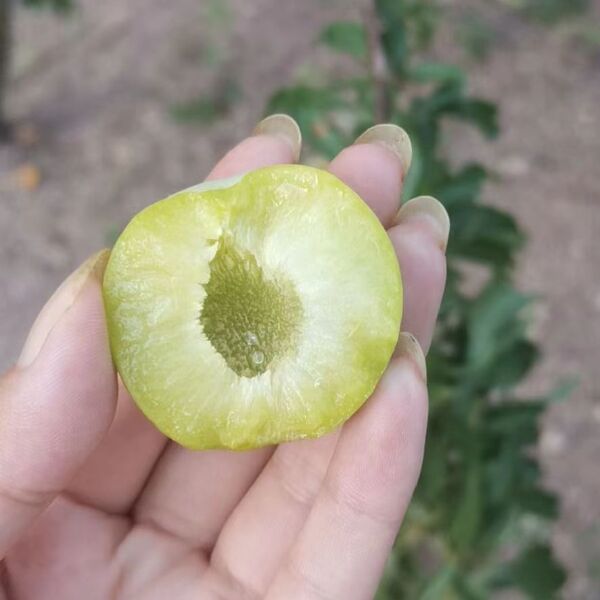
(282, 126)
(392, 137)
(409, 347)
(60, 302)
(430, 210)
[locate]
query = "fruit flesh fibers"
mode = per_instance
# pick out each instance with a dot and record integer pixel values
(254, 313)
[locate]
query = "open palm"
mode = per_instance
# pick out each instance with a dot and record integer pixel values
(95, 503)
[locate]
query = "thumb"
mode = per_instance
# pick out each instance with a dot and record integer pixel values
(58, 402)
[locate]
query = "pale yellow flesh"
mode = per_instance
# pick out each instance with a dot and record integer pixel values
(307, 233)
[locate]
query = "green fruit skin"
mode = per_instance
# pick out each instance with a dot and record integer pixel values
(153, 293)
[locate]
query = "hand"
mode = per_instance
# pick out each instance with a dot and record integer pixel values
(95, 503)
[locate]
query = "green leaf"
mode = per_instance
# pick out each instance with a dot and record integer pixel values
(551, 11)
(390, 12)
(329, 143)
(444, 99)
(467, 590)
(311, 107)
(493, 324)
(216, 13)
(484, 234)
(463, 187)
(395, 46)
(434, 474)
(439, 584)
(530, 472)
(535, 572)
(201, 110)
(206, 109)
(563, 389)
(481, 113)
(347, 37)
(414, 177)
(503, 459)
(538, 501)
(515, 417)
(306, 104)
(60, 6)
(513, 364)
(437, 72)
(422, 17)
(417, 17)
(468, 519)
(449, 100)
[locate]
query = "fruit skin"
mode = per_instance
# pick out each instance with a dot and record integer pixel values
(301, 223)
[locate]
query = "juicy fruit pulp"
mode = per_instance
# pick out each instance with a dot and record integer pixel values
(253, 311)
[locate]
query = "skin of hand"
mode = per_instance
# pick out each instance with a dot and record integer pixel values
(95, 503)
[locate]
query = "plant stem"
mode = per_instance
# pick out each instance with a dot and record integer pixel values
(377, 66)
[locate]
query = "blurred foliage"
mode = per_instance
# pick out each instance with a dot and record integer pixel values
(217, 13)
(207, 108)
(549, 11)
(346, 37)
(479, 521)
(56, 5)
(217, 103)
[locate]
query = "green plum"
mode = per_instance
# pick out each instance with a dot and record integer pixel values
(255, 310)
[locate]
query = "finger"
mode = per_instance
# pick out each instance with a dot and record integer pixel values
(58, 403)
(115, 475)
(183, 480)
(279, 502)
(375, 166)
(264, 525)
(343, 548)
(419, 239)
(191, 494)
(275, 140)
(72, 552)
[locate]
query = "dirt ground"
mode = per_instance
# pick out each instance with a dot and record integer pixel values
(99, 85)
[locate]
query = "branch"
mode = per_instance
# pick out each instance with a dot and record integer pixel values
(377, 65)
